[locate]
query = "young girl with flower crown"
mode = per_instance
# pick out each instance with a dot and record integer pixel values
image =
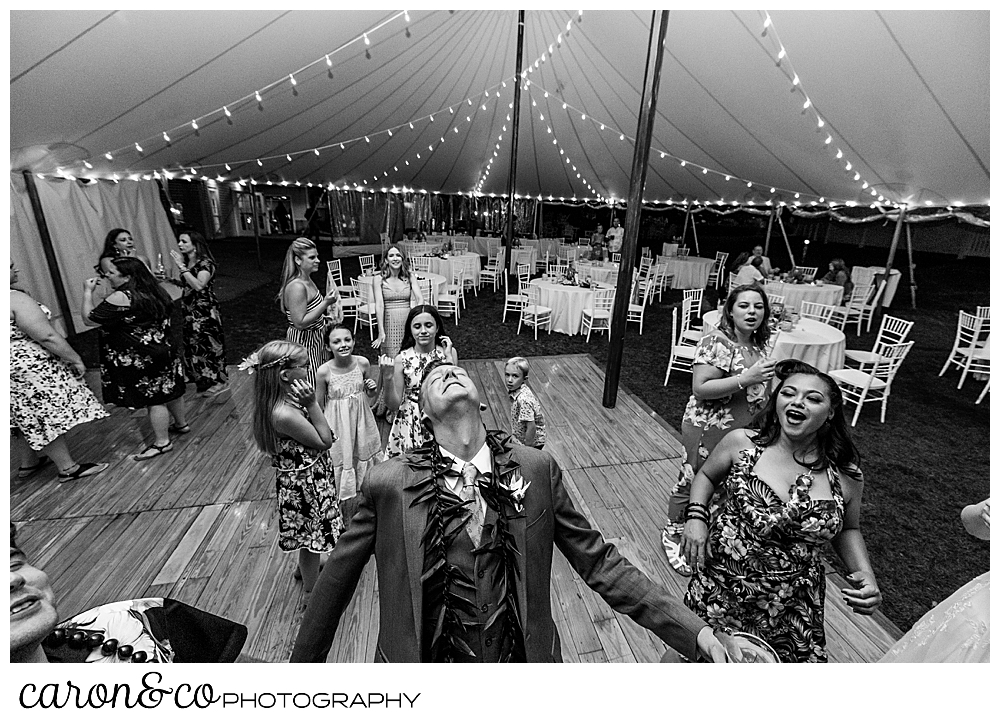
(289, 425)
(345, 387)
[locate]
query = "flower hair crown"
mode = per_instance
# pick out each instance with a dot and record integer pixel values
(252, 363)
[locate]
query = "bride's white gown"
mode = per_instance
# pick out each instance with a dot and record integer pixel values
(956, 631)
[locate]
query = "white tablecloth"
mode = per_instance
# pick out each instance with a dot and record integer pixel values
(542, 245)
(812, 341)
(689, 273)
(795, 294)
(890, 288)
(524, 255)
(437, 281)
(567, 304)
(604, 273)
(469, 260)
(421, 248)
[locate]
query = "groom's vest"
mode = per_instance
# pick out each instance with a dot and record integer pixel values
(480, 569)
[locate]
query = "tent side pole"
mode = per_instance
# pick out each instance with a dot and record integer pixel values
(913, 267)
(516, 113)
(256, 227)
(637, 183)
(788, 244)
(694, 230)
(767, 238)
(897, 232)
(684, 233)
(50, 252)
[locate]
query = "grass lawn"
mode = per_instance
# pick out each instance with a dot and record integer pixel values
(927, 461)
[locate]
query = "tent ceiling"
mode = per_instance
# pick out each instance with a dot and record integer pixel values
(904, 96)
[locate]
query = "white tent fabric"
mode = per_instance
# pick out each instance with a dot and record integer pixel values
(902, 95)
(78, 218)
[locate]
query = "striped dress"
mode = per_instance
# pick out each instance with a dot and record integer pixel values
(311, 338)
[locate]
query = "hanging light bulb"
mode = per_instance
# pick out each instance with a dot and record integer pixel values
(772, 189)
(807, 104)
(864, 185)
(728, 177)
(621, 137)
(138, 147)
(166, 137)
(848, 166)
(704, 170)
(749, 184)
(108, 156)
(329, 63)
(258, 163)
(228, 168)
(583, 116)
(662, 154)
(366, 140)
(288, 157)
(194, 124)
(828, 140)
(411, 125)
(795, 81)
(87, 165)
(291, 77)
(857, 176)
(683, 163)
(367, 41)
(819, 122)
(840, 154)
(781, 55)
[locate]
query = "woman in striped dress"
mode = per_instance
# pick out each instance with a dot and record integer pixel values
(306, 309)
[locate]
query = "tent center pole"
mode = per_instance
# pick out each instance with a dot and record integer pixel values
(637, 184)
(516, 115)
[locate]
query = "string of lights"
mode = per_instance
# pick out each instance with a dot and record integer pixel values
(784, 64)
(256, 97)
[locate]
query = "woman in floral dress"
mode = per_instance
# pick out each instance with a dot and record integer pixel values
(789, 489)
(139, 365)
(289, 425)
(424, 342)
(204, 342)
(728, 387)
(47, 394)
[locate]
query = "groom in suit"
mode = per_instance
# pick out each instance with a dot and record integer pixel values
(463, 530)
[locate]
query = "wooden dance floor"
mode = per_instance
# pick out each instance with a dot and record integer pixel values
(200, 524)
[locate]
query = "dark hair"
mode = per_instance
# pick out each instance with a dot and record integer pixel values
(762, 333)
(330, 328)
(757, 261)
(838, 264)
(833, 440)
(201, 249)
(109, 250)
(147, 294)
(408, 340)
(741, 260)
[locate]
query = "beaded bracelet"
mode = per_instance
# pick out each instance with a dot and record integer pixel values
(738, 382)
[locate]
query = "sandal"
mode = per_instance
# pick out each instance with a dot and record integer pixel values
(25, 472)
(153, 450)
(176, 428)
(84, 469)
(674, 557)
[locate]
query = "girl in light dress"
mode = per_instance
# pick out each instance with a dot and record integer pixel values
(423, 342)
(289, 425)
(395, 291)
(345, 386)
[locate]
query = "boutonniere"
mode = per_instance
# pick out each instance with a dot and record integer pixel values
(516, 487)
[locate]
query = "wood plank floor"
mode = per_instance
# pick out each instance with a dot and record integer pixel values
(200, 524)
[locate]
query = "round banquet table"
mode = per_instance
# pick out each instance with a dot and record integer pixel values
(437, 281)
(890, 287)
(525, 255)
(689, 273)
(445, 267)
(567, 304)
(795, 294)
(543, 245)
(811, 341)
(603, 272)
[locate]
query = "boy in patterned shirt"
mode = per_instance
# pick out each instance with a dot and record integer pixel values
(526, 419)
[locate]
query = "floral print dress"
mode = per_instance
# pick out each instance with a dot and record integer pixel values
(308, 509)
(407, 432)
(139, 365)
(765, 573)
(46, 399)
(204, 343)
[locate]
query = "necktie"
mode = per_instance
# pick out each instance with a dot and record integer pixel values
(470, 491)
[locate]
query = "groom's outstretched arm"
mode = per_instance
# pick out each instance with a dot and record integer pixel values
(337, 583)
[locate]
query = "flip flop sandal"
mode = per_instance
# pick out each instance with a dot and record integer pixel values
(25, 472)
(673, 550)
(84, 469)
(153, 450)
(179, 428)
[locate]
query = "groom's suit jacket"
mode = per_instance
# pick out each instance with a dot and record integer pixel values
(389, 527)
